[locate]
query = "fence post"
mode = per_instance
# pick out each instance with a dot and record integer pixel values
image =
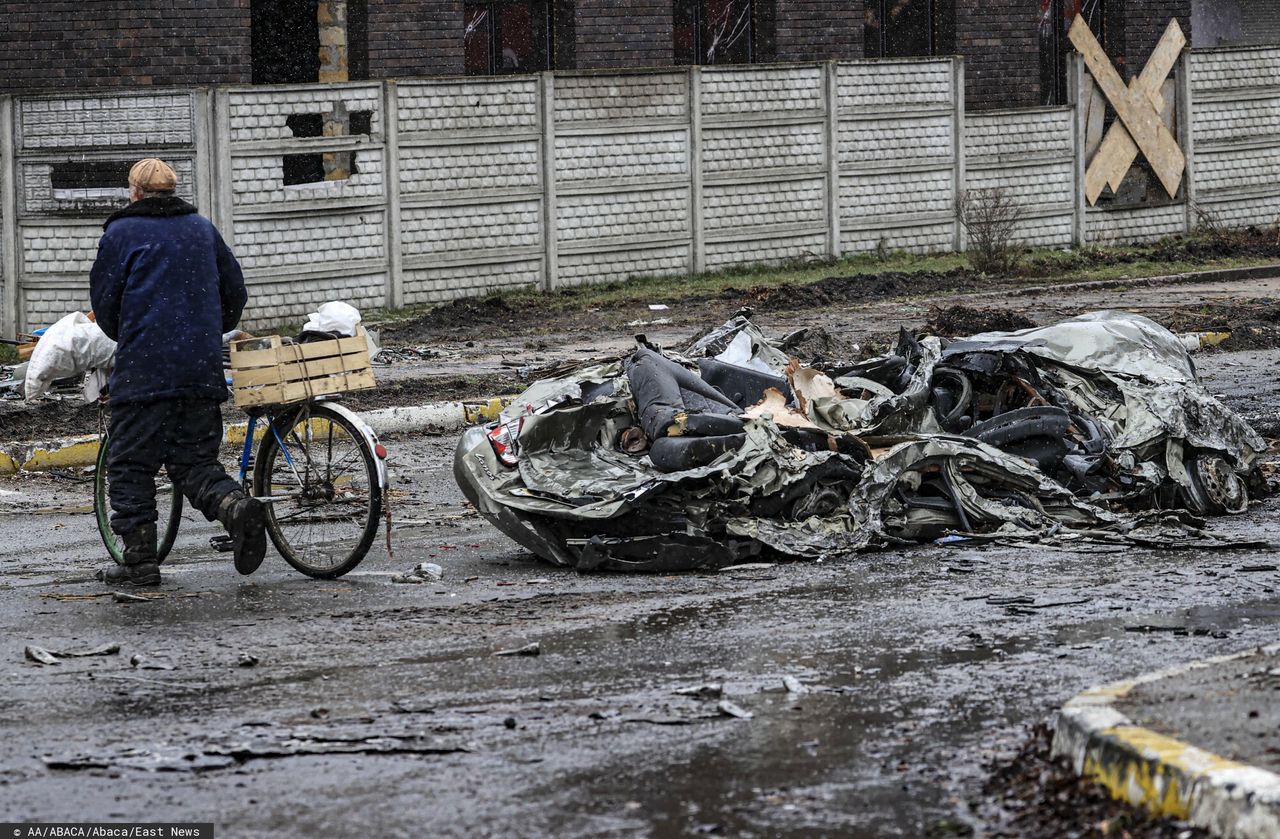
(550, 232)
(959, 172)
(205, 152)
(1186, 133)
(220, 156)
(391, 178)
(10, 321)
(698, 247)
(1077, 91)
(831, 76)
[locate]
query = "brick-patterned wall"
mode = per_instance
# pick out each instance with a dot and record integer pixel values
(71, 44)
(415, 38)
(817, 30)
(1000, 42)
(1145, 22)
(632, 33)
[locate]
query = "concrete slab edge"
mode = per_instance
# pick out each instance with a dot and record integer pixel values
(1168, 777)
(78, 452)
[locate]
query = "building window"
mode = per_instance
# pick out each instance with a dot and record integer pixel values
(901, 28)
(714, 31)
(1105, 18)
(507, 36)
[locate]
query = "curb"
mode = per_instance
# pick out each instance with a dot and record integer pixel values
(1218, 275)
(78, 452)
(1169, 777)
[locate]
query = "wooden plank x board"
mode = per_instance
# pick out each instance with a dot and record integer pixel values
(1138, 106)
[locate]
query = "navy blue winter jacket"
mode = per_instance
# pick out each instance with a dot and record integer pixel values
(165, 287)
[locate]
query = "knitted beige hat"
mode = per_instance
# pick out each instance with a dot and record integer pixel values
(153, 175)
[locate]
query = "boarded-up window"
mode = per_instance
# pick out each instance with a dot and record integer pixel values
(507, 36)
(902, 28)
(1105, 18)
(714, 31)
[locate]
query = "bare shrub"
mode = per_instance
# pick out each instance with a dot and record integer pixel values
(990, 216)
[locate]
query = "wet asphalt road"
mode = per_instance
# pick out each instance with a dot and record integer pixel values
(379, 708)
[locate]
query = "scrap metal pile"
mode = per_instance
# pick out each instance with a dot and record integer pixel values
(1096, 428)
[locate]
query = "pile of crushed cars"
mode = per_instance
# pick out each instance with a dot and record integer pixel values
(1096, 428)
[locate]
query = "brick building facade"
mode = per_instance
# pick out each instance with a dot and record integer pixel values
(1013, 48)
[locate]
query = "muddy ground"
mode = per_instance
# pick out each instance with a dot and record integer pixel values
(476, 349)
(383, 709)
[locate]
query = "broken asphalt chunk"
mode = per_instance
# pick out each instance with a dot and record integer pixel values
(711, 691)
(724, 706)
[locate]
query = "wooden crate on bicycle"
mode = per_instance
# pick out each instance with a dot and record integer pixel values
(267, 371)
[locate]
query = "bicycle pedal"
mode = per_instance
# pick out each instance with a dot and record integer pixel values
(223, 543)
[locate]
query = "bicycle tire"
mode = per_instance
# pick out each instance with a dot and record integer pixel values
(102, 512)
(292, 517)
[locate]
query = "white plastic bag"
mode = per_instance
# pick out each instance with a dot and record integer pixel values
(72, 346)
(342, 318)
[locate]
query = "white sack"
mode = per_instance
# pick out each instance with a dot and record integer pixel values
(342, 318)
(71, 347)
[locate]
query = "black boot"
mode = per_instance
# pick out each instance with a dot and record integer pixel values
(140, 566)
(245, 519)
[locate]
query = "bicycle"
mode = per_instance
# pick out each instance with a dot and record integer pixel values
(320, 471)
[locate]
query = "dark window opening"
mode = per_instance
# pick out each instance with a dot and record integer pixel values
(714, 31)
(312, 125)
(87, 175)
(507, 36)
(285, 41)
(319, 167)
(905, 28)
(1105, 18)
(89, 187)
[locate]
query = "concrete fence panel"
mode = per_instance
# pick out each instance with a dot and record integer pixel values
(621, 159)
(1235, 95)
(1030, 155)
(69, 158)
(470, 181)
(306, 167)
(898, 125)
(763, 160)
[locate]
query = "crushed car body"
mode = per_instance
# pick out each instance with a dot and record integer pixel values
(1095, 428)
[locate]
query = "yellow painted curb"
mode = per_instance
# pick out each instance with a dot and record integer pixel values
(76, 454)
(1166, 776)
(1150, 770)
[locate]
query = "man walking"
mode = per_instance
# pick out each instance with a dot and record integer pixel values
(166, 287)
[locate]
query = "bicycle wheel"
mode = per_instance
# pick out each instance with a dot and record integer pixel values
(168, 504)
(321, 489)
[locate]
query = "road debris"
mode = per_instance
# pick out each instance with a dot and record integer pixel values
(41, 655)
(711, 691)
(423, 572)
(729, 709)
(247, 660)
(794, 685)
(1096, 429)
(527, 650)
(145, 662)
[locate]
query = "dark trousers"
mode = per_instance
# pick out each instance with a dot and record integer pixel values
(183, 435)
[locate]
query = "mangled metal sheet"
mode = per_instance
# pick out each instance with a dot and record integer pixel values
(660, 461)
